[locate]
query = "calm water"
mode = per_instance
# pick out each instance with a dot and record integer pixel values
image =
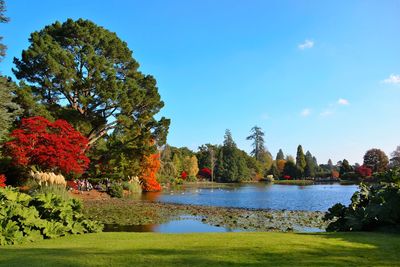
(318, 197)
(186, 224)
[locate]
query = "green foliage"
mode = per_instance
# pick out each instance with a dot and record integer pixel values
(280, 155)
(16, 175)
(376, 160)
(24, 218)
(132, 187)
(272, 171)
(9, 110)
(395, 160)
(301, 162)
(116, 190)
(310, 169)
(353, 176)
(291, 170)
(372, 207)
(345, 167)
(55, 189)
(231, 163)
(257, 135)
(83, 73)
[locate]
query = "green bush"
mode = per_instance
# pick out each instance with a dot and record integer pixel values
(132, 187)
(350, 176)
(58, 190)
(116, 190)
(24, 218)
(191, 179)
(373, 207)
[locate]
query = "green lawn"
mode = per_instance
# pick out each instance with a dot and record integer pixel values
(211, 249)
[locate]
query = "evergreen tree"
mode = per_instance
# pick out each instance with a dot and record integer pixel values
(291, 170)
(3, 19)
(228, 140)
(9, 110)
(395, 160)
(300, 159)
(273, 171)
(219, 166)
(310, 168)
(345, 167)
(92, 70)
(231, 164)
(280, 155)
(330, 164)
(257, 135)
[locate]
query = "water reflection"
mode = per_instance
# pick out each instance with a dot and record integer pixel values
(187, 225)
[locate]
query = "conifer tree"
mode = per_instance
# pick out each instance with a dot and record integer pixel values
(300, 159)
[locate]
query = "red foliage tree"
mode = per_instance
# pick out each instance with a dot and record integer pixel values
(184, 175)
(55, 146)
(150, 167)
(2, 180)
(205, 172)
(364, 171)
(287, 177)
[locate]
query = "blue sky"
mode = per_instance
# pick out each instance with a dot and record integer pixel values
(324, 75)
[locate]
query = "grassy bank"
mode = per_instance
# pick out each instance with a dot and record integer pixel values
(294, 182)
(214, 249)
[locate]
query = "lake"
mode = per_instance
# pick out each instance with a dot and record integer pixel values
(318, 197)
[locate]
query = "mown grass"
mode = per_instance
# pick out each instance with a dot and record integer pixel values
(211, 249)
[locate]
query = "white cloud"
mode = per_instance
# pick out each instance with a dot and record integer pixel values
(305, 112)
(393, 78)
(343, 101)
(306, 44)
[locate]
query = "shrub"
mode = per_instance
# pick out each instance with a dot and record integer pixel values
(269, 178)
(364, 171)
(184, 175)
(24, 218)
(132, 187)
(116, 190)
(2, 180)
(150, 167)
(58, 190)
(373, 207)
(205, 172)
(191, 179)
(49, 145)
(350, 176)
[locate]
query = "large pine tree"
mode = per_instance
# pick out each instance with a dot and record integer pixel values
(92, 70)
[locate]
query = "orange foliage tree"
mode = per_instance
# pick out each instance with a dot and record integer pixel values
(280, 165)
(149, 169)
